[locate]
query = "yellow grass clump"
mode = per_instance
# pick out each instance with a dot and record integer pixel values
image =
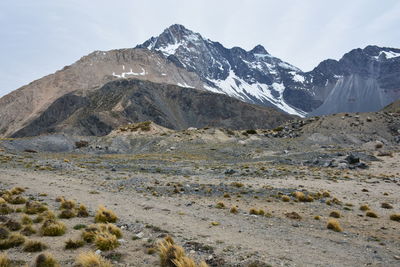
(106, 241)
(335, 214)
(74, 244)
(172, 255)
(334, 225)
(34, 246)
(5, 261)
(91, 259)
(395, 217)
(364, 207)
(53, 228)
(82, 211)
(46, 260)
(104, 215)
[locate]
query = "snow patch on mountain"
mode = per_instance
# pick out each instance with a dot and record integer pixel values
(388, 54)
(236, 87)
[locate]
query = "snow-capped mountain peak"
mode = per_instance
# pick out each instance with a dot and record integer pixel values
(252, 76)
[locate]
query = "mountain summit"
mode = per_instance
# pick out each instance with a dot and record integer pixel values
(253, 76)
(363, 80)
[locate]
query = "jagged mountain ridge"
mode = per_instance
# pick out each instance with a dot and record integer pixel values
(125, 101)
(368, 75)
(363, 80)
(253, 76)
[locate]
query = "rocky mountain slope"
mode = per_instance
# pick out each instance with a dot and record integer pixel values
(363, 80)
(21, 106)
(126, 101)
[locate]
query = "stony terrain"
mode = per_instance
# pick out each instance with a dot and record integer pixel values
(232, 198)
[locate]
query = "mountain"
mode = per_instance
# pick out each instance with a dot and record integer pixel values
(363, 80)
(253, 76)
(126, 101)
(25, 104)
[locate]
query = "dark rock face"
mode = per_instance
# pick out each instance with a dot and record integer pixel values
(363, 80)
(123, 101)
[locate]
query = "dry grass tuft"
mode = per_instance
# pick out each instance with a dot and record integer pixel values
(91, 259)
(104, 215)
(82, 211)
(335, 214)
(46, 260)
(4, 233)
(17, 200)
(13, 225)
(254, 211)
(67, 214)
(28, 230)
(172, 255)
(371, 214)
(5, 261)
(110, 228)
(386, 205)
(34, 207)
(234, 210)
(53, 228)
(17, 190)
(364, 207)
(220, 205)
(334, 225)
(395, 217)
(74, 244)
(106, 241)
(168, 252)
(188, 262)
(14, 240)
(67, 204)
(34, 246)
(25, 220)
(2, 200)
(5, 209)
(285, 198)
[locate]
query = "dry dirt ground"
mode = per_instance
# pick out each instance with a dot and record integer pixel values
(176, 193)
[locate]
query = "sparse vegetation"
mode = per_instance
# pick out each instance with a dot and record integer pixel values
(364, 207)
(395, 217)
(34, 246)
(53, 228)
(106, 241)
(104, 215)
(5, 261)
(28, 230)
(386, 205)
(220, 205)
(172, 255)
(234, 210)
(46, 260)
(91, 259)
(335, 214)
(334, 225)
(14, 240)
(74, 244)
(371, 214)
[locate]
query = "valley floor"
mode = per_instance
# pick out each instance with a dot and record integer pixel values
(178, 194)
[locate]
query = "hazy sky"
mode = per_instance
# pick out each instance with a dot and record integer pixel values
(38, 37)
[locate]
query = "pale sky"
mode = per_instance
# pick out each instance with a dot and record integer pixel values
(38, 37)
